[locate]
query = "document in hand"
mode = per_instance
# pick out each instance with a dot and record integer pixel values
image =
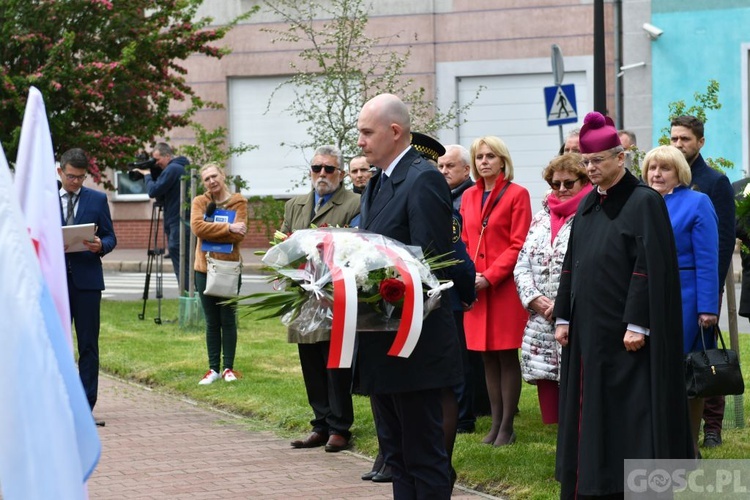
(74, 236)
(220, 215)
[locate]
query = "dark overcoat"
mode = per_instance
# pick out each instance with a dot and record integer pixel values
(620, 268)
(414, 207)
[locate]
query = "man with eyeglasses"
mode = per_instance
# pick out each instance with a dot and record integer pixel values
(81, 205)
(619, 319)
(328, 391)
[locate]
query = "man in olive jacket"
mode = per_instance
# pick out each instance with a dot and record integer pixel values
(328, 391)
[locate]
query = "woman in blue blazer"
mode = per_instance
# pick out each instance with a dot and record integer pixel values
(694, 223)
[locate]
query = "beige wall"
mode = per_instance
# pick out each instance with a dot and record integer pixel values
(502, 32)
(437, 31)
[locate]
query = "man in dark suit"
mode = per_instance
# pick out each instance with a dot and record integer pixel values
(408, 200)
(81, 205)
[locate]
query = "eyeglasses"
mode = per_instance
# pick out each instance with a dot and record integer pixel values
(597, 160)
(555, 185)
(329, 168)
(72, 177)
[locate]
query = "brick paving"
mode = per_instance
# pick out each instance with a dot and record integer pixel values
(157, 446)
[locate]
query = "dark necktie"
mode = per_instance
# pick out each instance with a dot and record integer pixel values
(381, 182)
(71, 206)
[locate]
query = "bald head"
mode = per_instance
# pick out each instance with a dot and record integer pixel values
(384, 129)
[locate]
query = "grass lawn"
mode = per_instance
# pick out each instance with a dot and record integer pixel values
(271, 395)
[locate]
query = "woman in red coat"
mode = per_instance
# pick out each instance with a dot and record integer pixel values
(497, 215)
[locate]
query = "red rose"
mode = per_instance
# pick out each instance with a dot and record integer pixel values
(392, 290)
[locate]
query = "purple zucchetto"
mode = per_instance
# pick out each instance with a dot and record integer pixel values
(598, 133)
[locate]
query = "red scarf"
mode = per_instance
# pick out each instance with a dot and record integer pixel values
(561, 211)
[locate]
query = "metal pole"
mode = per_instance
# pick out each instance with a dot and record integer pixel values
(181, 271)
(600, 68)
(191, 289)
(619, 85)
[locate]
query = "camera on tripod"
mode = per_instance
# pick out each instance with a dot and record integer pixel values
(143, 161)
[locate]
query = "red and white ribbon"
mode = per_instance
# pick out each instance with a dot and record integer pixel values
(410, 327)
(344, 321)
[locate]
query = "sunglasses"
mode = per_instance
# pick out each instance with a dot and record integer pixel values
(555, 185)
(329, 168)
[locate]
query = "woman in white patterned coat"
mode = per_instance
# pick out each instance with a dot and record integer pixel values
(537, 276)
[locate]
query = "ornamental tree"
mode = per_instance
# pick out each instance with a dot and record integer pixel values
(340, 67)
(109, 71)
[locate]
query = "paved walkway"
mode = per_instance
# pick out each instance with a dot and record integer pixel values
(157, 446)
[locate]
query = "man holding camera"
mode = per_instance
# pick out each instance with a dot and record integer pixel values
(163, 184)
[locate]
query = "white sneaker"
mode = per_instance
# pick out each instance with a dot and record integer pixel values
(209, 378)
(228, 375)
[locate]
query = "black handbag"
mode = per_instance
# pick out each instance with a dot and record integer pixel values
(713, 372)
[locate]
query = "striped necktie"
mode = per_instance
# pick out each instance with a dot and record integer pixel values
(71, 206)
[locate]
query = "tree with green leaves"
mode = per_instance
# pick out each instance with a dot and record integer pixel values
(707, 101)
(109, 71)
(340, 67)
(703, 102)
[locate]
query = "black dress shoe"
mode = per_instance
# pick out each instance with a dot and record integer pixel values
(367, 476)
(336, 442)
(379, 461)
(384, 475)
(711, 439)
(314, 440)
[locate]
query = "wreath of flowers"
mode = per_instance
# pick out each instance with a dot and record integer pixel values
(349, 280)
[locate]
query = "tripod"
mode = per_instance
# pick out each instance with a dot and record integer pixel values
(155, 260)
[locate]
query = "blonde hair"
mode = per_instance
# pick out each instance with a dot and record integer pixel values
(671, 156)
(498, 147)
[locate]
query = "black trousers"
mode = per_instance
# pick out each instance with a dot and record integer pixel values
(84, 311)
(328, 391)
(410, 434)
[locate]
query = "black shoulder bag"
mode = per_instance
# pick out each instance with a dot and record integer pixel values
(713, 372)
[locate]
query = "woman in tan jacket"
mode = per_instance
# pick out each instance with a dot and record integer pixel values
(221, 320)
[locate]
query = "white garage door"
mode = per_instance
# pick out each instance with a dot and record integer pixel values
(512, 108)
(272, 169)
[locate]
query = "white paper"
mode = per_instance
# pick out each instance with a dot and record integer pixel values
(74, 236)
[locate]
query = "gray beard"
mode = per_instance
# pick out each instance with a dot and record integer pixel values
(324, 188)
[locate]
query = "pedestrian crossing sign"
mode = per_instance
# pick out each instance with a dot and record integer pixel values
(560, 102)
